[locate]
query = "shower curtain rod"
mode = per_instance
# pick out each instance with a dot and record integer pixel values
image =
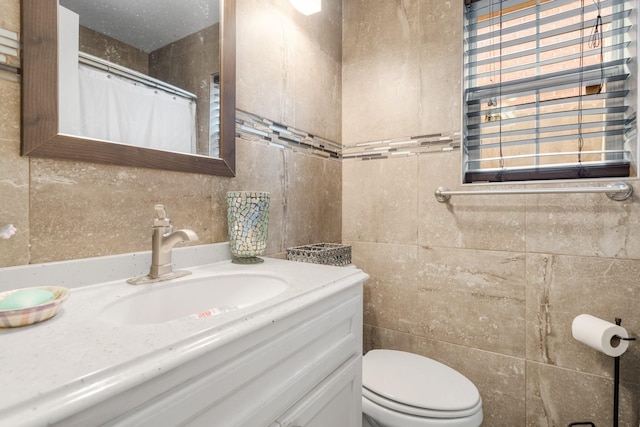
(618, 191)
(119, 70)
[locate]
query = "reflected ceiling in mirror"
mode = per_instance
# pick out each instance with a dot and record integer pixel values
(178, 63)
(146, 24)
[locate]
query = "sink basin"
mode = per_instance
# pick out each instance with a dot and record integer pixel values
(197, 297)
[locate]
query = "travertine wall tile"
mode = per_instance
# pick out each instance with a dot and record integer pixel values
(401, 69)
(500, 379)
(561, 287)
(287, 64)
(557, 397)
(14, 171)
(71, 219)
(10, 116)
(262, 58)
(391, 292)
(313, 204)
(380, 97)
(440, 62)
(473, 298)
(323, 30)
(14, 178)
(375, 28)
(380, 82)
(319, 83)
(10, 16)
(584, 224)
(380, 201)
(375, 337)
(477, 222)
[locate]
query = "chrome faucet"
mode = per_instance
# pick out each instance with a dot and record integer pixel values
(162, 242)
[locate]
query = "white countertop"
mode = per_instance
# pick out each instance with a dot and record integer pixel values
(53, 369)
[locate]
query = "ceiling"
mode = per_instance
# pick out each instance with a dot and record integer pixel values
(146, 24)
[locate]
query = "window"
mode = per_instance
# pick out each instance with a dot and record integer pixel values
(214, 115)
(550, 90)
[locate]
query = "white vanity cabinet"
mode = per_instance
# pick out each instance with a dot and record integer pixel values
(301, 369)
(292, 360)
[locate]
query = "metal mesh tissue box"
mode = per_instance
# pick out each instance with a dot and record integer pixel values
(321, 253)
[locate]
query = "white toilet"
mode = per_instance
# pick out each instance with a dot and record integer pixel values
(401, 389)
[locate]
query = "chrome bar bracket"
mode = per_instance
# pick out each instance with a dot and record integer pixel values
(623, 191)
(442, 198)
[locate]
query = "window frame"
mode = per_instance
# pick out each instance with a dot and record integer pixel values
(623, 168)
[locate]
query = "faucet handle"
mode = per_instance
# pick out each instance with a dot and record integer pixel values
(160, 211)
(161, 219)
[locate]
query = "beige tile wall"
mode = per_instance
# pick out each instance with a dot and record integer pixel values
(65, 210)
(291, 62)
(488, 285)
(14, 170)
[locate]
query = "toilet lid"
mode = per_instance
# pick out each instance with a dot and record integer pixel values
(417, 381)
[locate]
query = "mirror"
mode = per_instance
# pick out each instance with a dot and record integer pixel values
(45, 132)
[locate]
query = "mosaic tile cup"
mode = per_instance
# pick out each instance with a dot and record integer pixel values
(248, 219)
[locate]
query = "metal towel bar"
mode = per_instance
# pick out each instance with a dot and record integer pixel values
(618, 191)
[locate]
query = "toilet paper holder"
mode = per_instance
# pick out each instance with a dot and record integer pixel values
(616, 380)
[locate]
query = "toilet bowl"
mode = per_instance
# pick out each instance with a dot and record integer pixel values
(401, 389)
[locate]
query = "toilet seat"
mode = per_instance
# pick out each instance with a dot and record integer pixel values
(420, 412)
(377, 415)
(416, 385)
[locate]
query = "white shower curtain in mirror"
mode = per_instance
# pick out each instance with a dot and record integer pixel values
(117, 109)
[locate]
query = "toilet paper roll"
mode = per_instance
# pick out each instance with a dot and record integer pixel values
(600, 335)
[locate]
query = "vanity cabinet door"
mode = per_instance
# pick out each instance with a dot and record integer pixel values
(331, 403)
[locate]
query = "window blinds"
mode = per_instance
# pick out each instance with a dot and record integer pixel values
(548, 93)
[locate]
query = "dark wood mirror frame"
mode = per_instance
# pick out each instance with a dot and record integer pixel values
(40, 130)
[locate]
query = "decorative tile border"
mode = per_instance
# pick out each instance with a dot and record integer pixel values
(402, 147)
(254, 128)
(9, 55)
